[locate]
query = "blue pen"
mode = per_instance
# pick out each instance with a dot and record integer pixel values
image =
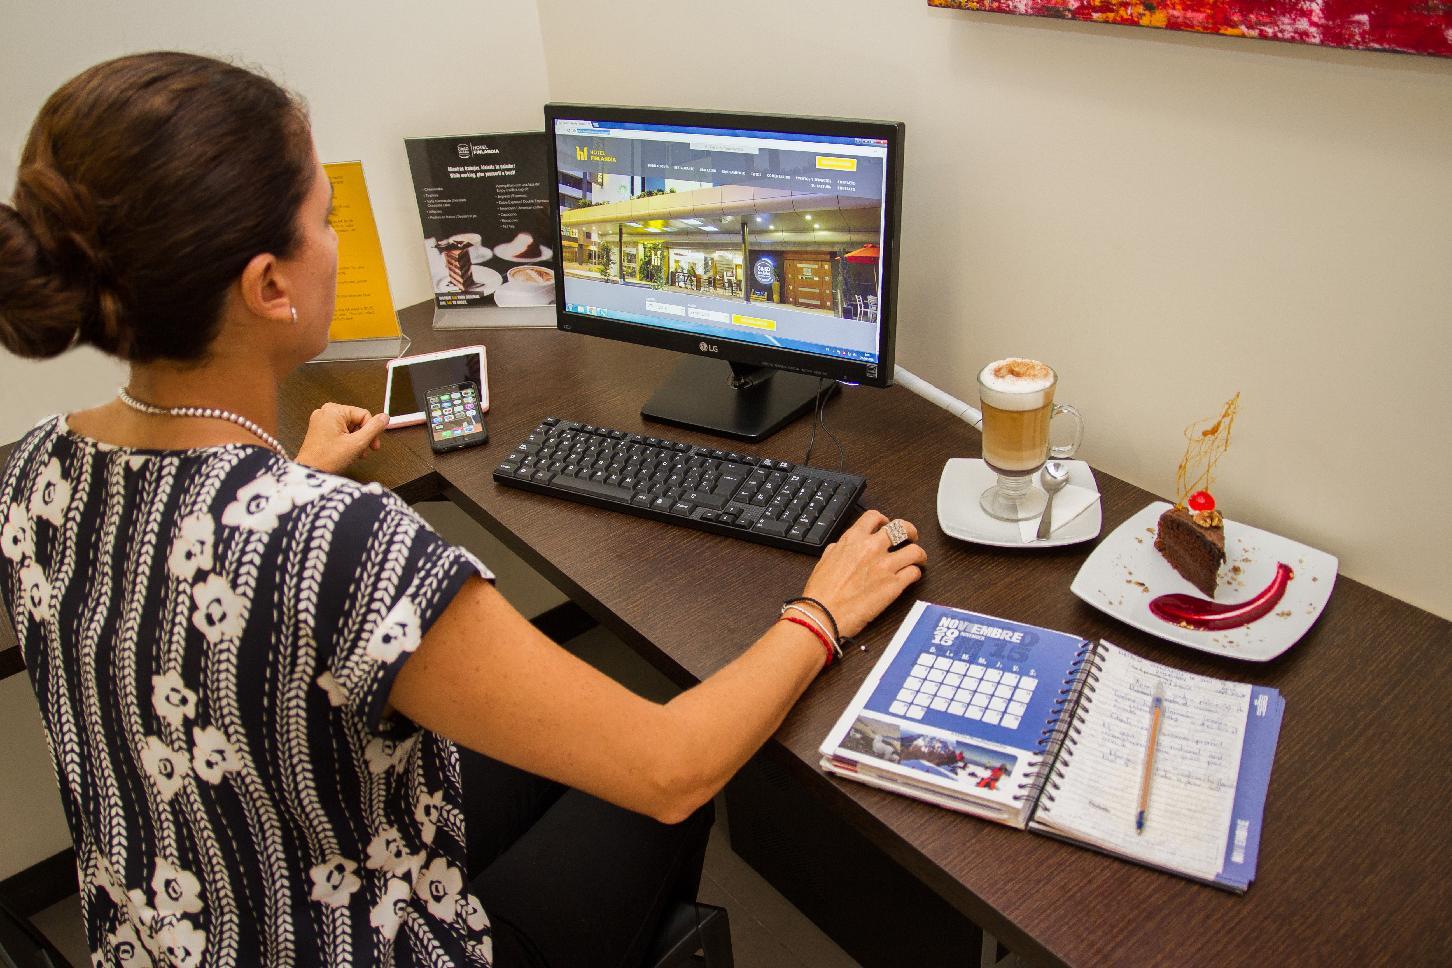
(1157, 708)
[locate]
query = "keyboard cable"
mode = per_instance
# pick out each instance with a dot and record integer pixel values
(820, 421)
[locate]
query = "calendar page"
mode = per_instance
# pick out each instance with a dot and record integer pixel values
(980, 676)
(958, 703)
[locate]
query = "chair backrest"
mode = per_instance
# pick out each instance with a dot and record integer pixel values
(22, 946)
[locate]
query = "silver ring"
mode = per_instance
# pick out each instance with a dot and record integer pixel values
(896, 533)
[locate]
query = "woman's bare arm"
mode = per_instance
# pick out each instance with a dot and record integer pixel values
(488, 679)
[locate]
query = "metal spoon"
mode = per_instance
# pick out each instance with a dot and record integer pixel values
(1052, 478)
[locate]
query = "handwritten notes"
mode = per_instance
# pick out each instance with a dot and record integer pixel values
(1196, 768)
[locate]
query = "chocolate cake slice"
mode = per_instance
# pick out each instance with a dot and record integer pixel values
(531, 249)
(457, 262)
(1193, 542)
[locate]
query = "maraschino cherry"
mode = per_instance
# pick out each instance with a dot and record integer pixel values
(1201, 501)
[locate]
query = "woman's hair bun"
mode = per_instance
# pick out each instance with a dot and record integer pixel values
(40, 316)
(56, 285)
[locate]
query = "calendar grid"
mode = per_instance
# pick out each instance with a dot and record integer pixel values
(963, 689)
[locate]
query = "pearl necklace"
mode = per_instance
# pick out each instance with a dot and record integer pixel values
(213, 413)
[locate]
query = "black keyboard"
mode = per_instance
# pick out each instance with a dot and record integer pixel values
(773, 502)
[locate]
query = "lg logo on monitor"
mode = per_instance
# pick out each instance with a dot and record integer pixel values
(709, 347)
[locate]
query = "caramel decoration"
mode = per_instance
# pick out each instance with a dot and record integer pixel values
(1203, 449)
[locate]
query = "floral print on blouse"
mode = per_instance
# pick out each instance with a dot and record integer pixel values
(212, 635)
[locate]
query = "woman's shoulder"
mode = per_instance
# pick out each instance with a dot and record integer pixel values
(263, 492)
(27, 457)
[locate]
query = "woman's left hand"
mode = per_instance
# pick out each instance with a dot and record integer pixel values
(338, 435)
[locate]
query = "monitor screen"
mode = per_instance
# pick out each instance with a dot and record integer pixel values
(755, 238)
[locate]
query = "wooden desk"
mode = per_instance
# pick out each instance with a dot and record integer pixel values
(1356, 856)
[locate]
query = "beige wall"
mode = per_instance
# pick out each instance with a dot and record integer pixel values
(1167, 218)
(372, 73)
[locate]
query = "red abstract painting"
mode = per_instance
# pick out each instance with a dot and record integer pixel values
(1409, 26)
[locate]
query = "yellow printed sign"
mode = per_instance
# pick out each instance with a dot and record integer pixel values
(364, 308)
(836, 164)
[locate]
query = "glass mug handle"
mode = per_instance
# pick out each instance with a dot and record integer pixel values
(1065, 451)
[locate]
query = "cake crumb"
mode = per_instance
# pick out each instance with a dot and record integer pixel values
(1235, 569)
(1284, 614)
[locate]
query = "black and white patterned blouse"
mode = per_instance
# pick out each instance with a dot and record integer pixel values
(212, 635)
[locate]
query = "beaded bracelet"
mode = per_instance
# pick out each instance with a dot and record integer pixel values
(815, 631)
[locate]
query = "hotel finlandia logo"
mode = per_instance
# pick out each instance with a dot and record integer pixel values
(585, 153)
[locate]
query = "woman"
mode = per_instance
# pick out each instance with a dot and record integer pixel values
(265, 686)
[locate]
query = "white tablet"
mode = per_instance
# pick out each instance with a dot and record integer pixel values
(410, 377)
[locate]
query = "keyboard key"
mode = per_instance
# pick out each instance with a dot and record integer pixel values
(593, 488)
(771, 526)
(682, 508)
(715, 501)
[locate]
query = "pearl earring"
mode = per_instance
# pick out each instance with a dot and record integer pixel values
(294, 314)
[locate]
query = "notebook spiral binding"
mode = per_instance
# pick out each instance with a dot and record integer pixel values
(1062, 731)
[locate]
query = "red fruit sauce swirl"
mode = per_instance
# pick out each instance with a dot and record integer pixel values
(1208, 616)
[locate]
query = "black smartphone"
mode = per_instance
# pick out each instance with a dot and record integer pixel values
(454, 417)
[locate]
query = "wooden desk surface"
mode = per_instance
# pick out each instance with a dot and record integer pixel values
(1356, 857)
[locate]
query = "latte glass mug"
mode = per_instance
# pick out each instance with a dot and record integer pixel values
(1017, 397)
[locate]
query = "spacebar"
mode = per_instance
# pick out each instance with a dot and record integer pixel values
(592, 488)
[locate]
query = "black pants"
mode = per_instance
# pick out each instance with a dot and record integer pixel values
(568, 879)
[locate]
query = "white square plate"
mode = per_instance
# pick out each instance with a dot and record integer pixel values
(961, 516)
(1125, 572)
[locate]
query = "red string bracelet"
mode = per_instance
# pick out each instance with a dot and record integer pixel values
(815, 631)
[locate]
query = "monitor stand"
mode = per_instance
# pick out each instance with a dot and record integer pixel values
(732, 399)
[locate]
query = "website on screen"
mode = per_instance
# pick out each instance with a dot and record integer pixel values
(755, 236)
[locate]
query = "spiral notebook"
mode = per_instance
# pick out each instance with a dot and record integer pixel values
(1043, 730)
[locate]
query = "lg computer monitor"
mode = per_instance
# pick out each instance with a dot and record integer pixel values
(766, 242)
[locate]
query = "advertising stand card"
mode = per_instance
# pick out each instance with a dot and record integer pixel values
(483, 203)
(365, 326)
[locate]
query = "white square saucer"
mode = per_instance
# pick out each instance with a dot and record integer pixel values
(961, 516)
(1125, 572)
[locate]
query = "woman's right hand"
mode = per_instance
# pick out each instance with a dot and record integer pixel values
(857, 576)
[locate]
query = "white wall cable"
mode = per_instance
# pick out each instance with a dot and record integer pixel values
(964, 411)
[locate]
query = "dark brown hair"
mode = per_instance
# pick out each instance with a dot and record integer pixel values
(146, 186)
